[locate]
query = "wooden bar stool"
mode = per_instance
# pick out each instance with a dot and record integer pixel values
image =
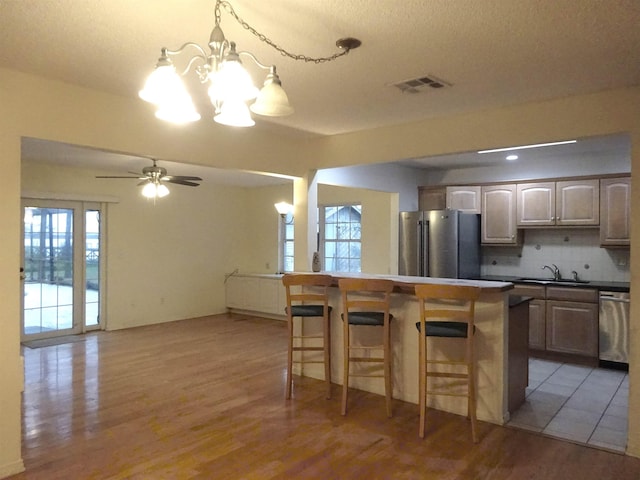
(450, 314)
(298, 305)
(365, 302)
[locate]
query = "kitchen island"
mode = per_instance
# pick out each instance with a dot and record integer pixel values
(492, 346)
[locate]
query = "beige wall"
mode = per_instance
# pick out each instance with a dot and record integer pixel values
(56, 111)
(259, 224)
(379, 224)
(165, 260)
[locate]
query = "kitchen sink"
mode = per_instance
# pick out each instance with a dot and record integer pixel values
(546, 281)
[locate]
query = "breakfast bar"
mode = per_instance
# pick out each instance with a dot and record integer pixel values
(491, 337)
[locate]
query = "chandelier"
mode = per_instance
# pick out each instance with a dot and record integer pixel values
(230, 86)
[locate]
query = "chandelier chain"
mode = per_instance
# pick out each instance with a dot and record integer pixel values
(263, 38)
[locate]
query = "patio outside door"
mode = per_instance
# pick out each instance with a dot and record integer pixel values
(61, 262)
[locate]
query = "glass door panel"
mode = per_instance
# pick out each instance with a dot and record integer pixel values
(49, 271)
(92, 269)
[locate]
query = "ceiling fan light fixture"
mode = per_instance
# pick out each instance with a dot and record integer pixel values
(228, 80)
(162, 191)
(155, 190)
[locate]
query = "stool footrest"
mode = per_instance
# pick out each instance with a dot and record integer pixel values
(366, 359)
(448, 394)
(308, 349)
(447, 375)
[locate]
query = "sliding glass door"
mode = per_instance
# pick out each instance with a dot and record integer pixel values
(61, 253)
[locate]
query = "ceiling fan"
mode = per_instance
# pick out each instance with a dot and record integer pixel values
(153, 178)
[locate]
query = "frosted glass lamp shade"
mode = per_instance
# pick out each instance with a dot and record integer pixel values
(283, 208)
(235, 113)
(153, 190)
(272, 100)
(162, 85)
(231, 81)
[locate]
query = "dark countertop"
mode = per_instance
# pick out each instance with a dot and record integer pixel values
(600, 285)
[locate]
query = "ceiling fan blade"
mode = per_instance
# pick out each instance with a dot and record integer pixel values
(179, 181)
(180, 177)
(114, 176)
(144, 182)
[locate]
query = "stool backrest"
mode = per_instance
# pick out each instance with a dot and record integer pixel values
(307, 280)
(455, 302)
(352, 286)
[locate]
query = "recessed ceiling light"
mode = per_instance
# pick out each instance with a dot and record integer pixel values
(512, 157)
(522, 147)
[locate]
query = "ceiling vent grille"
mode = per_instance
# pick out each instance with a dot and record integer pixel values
(421, 84)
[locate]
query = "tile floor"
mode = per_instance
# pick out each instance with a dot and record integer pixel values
(577, 403)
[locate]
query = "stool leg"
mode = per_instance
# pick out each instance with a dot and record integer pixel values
(422, 384)
(387, 367)
(345, 381)
(472, 394)
(290, 357)
(327, 353)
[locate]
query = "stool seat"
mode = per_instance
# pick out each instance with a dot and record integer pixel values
(306, 310)
(375, 319)
(446, 329)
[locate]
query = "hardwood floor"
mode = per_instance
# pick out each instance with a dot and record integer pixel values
(204, 399)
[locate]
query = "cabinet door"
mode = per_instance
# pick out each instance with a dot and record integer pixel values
(615, 201)
(466, 199)
(498, 220)
(537, 325)
(432, 198)
(572, 327)
(536, 204)
(235, 291)
(578, 202)
(268, 295)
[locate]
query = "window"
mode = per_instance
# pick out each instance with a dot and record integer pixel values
(340, 237)
(286, 243)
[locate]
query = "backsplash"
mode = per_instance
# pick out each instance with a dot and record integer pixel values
(569, 249)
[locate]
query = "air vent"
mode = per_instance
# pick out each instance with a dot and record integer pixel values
(417, 85)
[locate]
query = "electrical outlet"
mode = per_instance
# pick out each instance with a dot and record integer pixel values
(267, 266)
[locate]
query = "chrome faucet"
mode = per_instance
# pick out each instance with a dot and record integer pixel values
(554, 270)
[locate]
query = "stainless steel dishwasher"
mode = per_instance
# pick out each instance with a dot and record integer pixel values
(614, 327)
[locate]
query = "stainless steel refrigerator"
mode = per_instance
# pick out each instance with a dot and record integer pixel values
(439, 243)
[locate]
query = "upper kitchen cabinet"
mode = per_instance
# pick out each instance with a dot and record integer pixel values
(615, 202)
(563, 203)
(498, 220)
(536, 204)
(432, 198)
(465, 199)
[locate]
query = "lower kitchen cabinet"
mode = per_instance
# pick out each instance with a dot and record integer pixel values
(262, 294)
(537, 324)
(562, 320)
(572, 327)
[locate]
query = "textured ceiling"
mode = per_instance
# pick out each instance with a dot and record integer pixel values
(493, 52)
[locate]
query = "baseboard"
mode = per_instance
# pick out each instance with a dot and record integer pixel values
(11, 468)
